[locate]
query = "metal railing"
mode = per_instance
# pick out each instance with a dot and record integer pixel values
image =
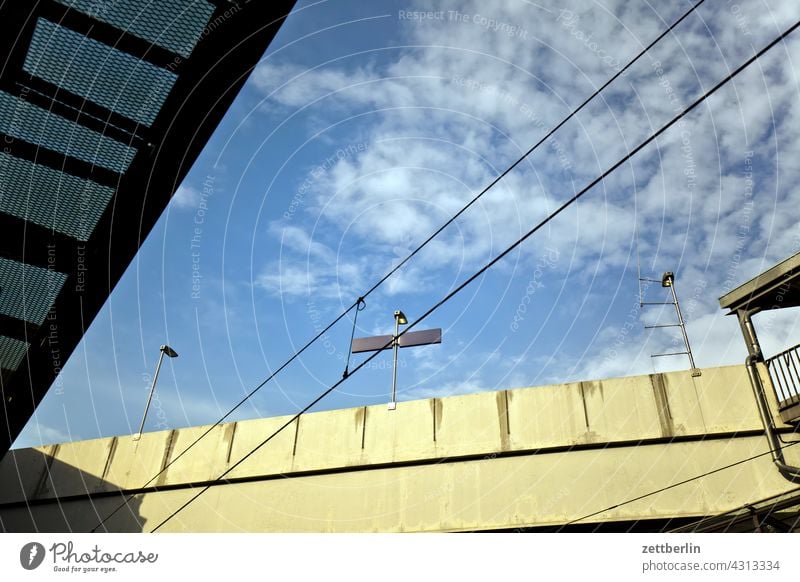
(784, 371)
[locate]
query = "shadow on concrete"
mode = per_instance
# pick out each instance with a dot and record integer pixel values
(40, 493)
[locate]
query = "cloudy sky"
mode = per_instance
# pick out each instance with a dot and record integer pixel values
(367, 125)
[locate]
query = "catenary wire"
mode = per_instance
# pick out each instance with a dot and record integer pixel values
(413, 253)
(361, 306)
(673, 485)
(499, 257)
(713, 519)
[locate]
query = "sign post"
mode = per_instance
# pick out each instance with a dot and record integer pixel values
(382, 342)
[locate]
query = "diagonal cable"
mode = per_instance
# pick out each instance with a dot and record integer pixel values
(417, 249)
(495, 260)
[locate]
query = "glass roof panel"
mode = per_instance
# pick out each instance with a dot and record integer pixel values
(175, 25)
(28, 292)
(31, 123)
(11, 352)
(50, 198)
(98, 72)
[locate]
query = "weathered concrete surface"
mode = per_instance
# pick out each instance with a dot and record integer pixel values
(515, 458)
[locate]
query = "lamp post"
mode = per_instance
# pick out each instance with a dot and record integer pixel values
(668, 280)
(377, 343)
(165, 349)
(399, 319)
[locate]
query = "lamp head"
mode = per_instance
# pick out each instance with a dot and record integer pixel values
(169, 351)
(400, 317)
(667, 279)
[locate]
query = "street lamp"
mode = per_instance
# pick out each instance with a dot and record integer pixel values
(165, 350)
(399, 319)
(409, 339)
(668, 280)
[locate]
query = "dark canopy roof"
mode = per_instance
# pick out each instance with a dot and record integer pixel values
(104, 107)
(775, 288)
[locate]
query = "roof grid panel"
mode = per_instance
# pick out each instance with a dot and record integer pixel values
(52, 199)
(98, 72)
(30, 123)
(27, 292)
(11, 352)
(175, 25)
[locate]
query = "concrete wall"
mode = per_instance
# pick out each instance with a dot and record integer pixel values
(513, 458)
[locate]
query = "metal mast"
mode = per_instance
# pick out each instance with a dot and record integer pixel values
(668, 280)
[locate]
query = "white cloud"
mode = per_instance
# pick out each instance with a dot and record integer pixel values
(185, 197)
(287, 281)
(292, 85)
(309, 268)
(38, 434)
(448, 389)
(446, 116)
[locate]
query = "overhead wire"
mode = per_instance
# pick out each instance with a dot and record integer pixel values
(499, 257)
(360, 307)
(413, 253)
(227, 414)
(712, 520)
(671, 486)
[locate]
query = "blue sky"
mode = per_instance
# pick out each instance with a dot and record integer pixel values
(366, 126)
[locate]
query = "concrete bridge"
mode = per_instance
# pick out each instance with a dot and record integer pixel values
(646, 453)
